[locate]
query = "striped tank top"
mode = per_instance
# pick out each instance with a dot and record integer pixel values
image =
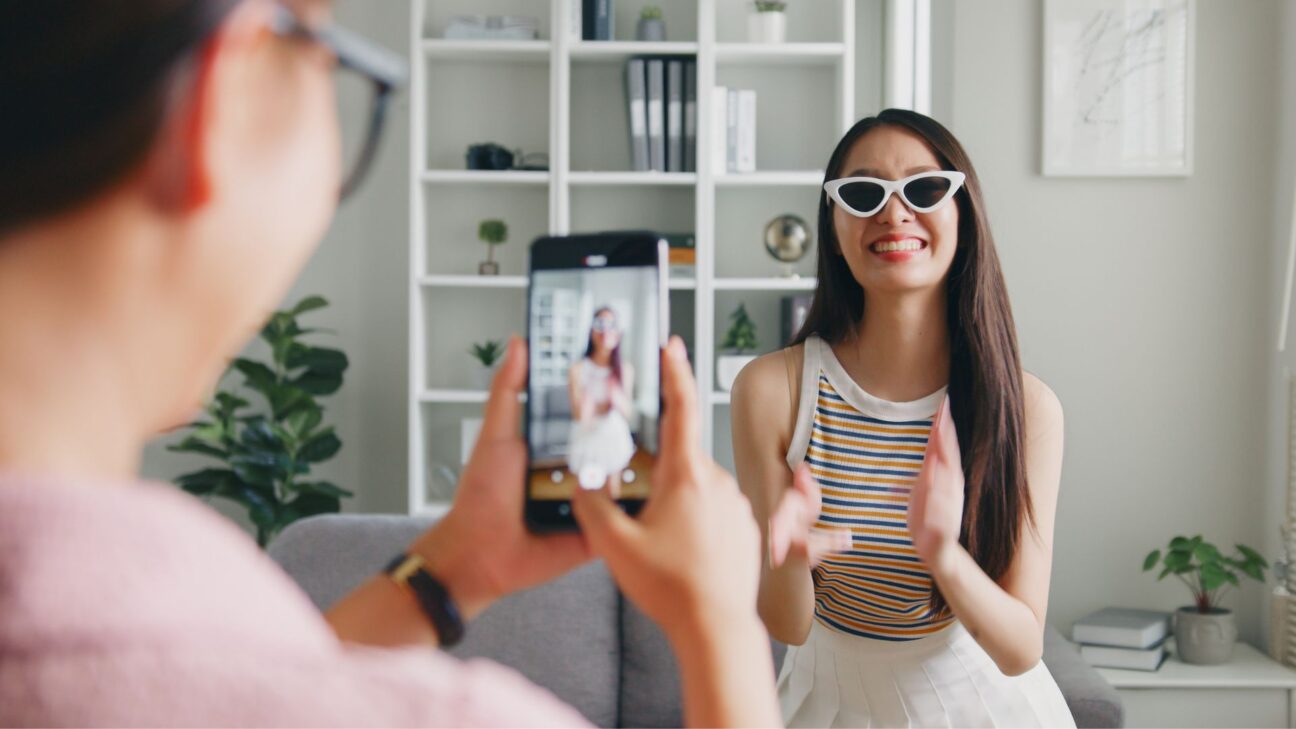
(865, 453)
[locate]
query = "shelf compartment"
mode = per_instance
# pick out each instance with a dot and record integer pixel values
(453, 214)
(468, 102)
(449, 370)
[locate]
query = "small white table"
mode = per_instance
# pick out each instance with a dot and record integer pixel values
(1252, 690)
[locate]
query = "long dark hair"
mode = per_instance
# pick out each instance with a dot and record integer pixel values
(985, 388)
(86, 86)
(614, 362)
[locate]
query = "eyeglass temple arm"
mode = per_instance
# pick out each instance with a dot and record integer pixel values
(377, 118)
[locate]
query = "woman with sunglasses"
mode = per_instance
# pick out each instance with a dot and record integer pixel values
(168, 167)
(601, 387)
(904, 468)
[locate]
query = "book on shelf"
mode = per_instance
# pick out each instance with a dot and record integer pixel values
(719, 124)
(736, 136)
(746, 131)
(1138, 659)
(793, 311)
(681, 254)
(576, 20)
(1122, 628)
(598, 20)
(690, 115)
(674, 115)
(638, 114)
(656, 72)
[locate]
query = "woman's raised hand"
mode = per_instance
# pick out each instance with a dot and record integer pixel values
(791, 526)
(936, 498)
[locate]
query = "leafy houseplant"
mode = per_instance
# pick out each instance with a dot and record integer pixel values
(768, 24)
(492, 233)
(1204, 631)
(487, 354)
(741, 337)
(651, 27)
(739, 343)
(267, 453)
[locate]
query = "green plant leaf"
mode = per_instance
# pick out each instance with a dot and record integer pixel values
(1251, 555)
(1150, 561)
(318, 384)
(207, 482)
(259, 434)
(1180, 543)
(305, 420)
(1212, 577)
(228, 403)
(1164, 573)
(323, 487)
(1177, 560)
(321, 447)
(1253, 570)
(318, 360)
(194, 445)
(1206, 553)
(258, 376)
(310, 303)
(286, 400)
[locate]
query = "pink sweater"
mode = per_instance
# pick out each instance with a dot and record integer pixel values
(135, 604)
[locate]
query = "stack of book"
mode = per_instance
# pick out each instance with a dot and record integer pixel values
(683, 254)
(661, 95)
(1123, 638)
(733, 130)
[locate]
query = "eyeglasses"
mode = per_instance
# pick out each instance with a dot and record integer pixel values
(923, 192)
(383, 69)
(603, 325)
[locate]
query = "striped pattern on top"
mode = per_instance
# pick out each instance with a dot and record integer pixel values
(865, 466)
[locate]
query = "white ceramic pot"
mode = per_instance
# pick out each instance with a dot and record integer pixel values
(1204, 638)
(482, 376)
(727, 368)
(767, 27)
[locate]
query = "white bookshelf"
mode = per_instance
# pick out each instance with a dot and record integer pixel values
(565, 97)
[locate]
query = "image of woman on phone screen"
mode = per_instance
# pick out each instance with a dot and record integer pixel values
(601, 387)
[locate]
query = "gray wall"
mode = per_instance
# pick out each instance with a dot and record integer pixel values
(1145, 303)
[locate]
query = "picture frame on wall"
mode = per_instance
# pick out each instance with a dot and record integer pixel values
(1118, 88)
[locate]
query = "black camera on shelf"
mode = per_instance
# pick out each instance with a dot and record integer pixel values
(489, 156)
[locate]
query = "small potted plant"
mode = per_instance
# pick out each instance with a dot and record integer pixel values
(739, 346)
(1204, 631)
(768, 24)
(492, 233)
(488, 355)
(650, 27)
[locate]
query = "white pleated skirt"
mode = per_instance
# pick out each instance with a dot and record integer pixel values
(942, 680)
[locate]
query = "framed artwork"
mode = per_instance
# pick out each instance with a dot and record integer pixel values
(1118, 87)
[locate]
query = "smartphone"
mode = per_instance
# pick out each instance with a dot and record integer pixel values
(597, 319)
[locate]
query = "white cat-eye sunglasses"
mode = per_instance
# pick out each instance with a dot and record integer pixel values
(923, 192)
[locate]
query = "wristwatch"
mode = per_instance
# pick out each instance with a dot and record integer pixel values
(408, 571)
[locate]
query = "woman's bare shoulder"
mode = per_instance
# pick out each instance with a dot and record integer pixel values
(766, 390)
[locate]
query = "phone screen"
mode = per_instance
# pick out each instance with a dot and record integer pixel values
(596, 323)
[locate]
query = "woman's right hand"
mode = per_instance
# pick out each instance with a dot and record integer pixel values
(791, 525)
(694, 552)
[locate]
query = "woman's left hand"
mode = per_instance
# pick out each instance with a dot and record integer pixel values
(936, 496)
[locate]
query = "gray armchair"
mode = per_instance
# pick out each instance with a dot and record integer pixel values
(577, 636)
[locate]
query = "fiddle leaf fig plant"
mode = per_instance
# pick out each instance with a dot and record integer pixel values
(266, 452)
(1204, 569)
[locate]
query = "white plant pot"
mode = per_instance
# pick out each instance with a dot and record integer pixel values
(766, 27)
(729, 365)
(483, 375)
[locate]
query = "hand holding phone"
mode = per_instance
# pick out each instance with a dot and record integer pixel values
(691, 562)
(481, 550)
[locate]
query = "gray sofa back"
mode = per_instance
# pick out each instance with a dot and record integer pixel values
(577, 636)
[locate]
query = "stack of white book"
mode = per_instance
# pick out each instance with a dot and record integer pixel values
(1123, 638)
(733, 125)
